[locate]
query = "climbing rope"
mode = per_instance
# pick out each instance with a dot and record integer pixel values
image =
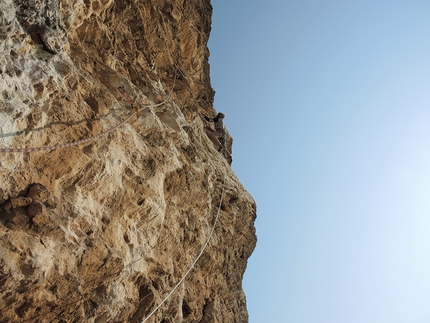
(121, 89)
(198, 256)
(80, 299)
(69, 144)
(136, 109)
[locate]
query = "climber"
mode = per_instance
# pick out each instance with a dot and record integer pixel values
(218, 135)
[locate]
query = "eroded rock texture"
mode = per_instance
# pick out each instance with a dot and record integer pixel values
(102, 231)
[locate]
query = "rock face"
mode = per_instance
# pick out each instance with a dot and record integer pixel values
(104, 230)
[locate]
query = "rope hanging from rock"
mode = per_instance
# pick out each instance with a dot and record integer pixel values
(198, 256)
(121, 89)
(140, 258)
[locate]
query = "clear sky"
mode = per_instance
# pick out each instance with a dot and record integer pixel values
(329, 105)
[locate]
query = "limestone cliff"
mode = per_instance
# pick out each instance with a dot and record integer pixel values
(103, 229)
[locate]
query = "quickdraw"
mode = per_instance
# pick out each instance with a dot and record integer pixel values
(121, 89)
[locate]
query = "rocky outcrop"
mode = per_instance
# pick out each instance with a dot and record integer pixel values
(103, 230)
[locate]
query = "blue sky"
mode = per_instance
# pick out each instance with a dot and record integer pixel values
(329, 106)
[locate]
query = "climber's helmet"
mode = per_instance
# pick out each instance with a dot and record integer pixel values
(221, 115)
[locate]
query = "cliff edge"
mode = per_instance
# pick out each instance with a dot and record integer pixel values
(114, 204)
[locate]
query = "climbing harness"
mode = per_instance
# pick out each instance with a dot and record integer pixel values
(223, 136)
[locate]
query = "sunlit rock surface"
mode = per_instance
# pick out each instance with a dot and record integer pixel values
(104, 230)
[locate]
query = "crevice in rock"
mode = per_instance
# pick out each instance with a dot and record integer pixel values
(186, 310)
(207, 312)
(145, 300)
